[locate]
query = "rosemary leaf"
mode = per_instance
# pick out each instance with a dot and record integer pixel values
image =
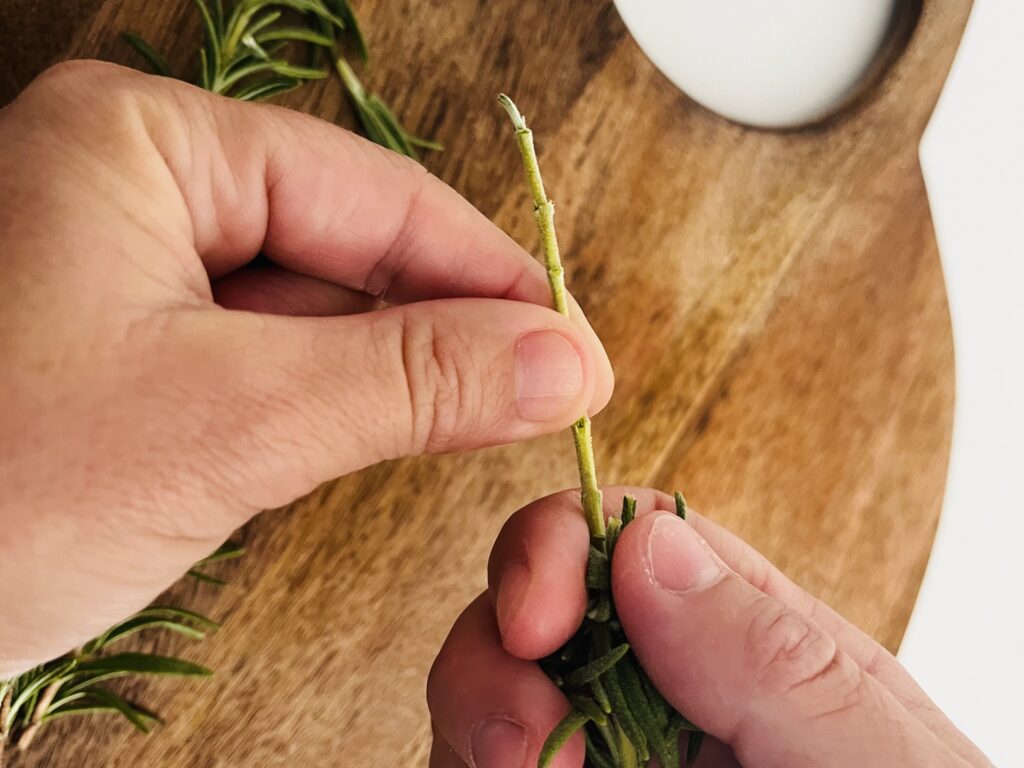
(599, 576)
(99, 700)
(249, 49)
(31, 683)
(212, 40)
(680, 505)
(628, 510)
(640, 706)
(601, 695)
(624, 716)
(121, 664)
(266, 88)
(348, 16)
(597, 667)
(155, 59)
(596, 756)
(188, 623)
(296, 34)
(590, 708)
(693, 746)
(562, 732)
(226, 551)
(205, 577)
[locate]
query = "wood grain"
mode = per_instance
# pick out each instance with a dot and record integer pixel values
(773, 304)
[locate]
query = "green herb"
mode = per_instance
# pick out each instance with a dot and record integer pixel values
(625, 720)
(75, 683)
(256, 49)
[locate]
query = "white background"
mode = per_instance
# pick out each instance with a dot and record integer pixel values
(965, 643)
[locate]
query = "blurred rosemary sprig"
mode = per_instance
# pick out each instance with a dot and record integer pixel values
(255, 49)
(75, 683)
(626, 722)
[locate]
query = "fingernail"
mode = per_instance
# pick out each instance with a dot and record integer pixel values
(512, 589)
(498, 743)
(677, 558)
(549, 375)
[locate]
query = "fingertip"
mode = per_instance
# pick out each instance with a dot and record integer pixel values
(604, 383)
(604, 373)
(660, 562)
(536, 575)
(537, 568)
(441, 753)
(494, 709)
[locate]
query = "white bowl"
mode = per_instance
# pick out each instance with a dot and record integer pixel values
(765, 63)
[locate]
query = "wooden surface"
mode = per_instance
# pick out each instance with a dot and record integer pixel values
(773, 305)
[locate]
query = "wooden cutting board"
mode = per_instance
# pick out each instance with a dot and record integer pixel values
(773, 304)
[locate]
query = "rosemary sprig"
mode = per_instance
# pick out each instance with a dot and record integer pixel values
(625, 720)
(253, 50)
(74, 684)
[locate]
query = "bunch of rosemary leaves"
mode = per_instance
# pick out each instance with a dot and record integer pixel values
(625, 720)
(256, 49)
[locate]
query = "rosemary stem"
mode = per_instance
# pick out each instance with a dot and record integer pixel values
(5, 712)
(45, 700)
(544, 213)
(5, 707)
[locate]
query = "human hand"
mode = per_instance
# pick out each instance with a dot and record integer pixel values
(159, 387)
(775, 677)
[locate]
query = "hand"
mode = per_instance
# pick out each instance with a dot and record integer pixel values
(160, 385)
(776, 678)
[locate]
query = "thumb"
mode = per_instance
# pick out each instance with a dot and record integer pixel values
(322, 397)
(752, 672)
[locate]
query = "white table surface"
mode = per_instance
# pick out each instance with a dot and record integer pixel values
(965, 643)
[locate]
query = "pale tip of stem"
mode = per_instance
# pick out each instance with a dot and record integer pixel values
(513, 112)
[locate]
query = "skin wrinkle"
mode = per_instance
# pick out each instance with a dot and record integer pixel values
(323, 351)
(424, 374)
(414, 417)
(449, 393)
(300, 417)
(879, 663)
(158, 127)
(280, 249)
(388, 269)
(230, 193)
(256, 445)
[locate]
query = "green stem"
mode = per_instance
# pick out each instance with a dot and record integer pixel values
(45, 700)
(544, 213)
(7, 694)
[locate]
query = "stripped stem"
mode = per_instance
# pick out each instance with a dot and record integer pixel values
(45, 700)
(544, 213)
(5, 712)
(43, 704)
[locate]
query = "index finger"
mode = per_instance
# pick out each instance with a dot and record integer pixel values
(537, 568)
(235, 179)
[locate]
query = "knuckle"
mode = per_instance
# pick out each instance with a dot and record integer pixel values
(84, 89)
(73, 73)
(787, 650)
(441, 398)
(86, 98)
